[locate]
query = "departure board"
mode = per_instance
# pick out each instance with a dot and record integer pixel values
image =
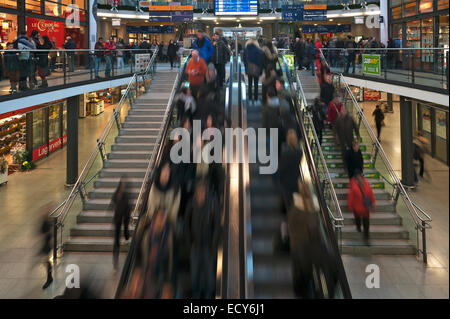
(236, 7)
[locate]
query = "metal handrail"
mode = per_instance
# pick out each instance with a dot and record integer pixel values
(76, 188)
(380, 49)
(339, 219)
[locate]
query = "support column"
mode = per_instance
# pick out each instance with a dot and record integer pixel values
(389, 102)
(72, 140)
(406, 137)
(384, 27)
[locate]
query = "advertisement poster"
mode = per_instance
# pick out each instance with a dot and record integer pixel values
(441, 129)
(52, 29)
(290, 61)
(426, 120)
(371, 64)
(142, 61)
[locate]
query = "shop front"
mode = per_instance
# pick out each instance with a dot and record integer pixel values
(8, 28)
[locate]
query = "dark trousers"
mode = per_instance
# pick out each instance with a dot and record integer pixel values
(378, 125)
(350, 62)
(422, 165)
(171, 59)
(253, 84)
(117, 227)
(220, 67)
(365, 223)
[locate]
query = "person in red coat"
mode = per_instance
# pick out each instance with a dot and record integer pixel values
(334, 108)
(360, 201)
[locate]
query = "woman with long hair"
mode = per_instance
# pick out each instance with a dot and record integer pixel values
(42, 59)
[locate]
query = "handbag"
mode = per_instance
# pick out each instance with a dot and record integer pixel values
(366, 200)
(253, 70)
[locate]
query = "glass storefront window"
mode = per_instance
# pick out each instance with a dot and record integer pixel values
(442, 4)
(39, 136)
(397, 12)
(33, 6)
(426, 6)
(413, 34)
(409, 8)
(441, 135)
(8, 28)
(397, 34)
(427, 56)
(54, 122)
(8, 3)
(443, 32)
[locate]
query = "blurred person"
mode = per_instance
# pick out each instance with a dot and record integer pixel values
(319, 47)
(196, 71)
(211, 78)
(119, 53)
(203, 232)
(172, 52)
(42, 59)
(145, 47)
(110, 47)
(299, 50)
(323, 71)
(344, 127)
(69, 45)
(271, 112)
(319, 117)
(165, 194)
(334, 108)
(220, 57)
(164, 50)
(46, 233)
(379, 117)
(53, 55)
(253, 67)
(354, 159)
(421, 147)
(122, 211)
(35, 39)
(25, 46)
(203, 45)
(360, 201)
(12, 67)
(99, 54)
(350, 45)
(327, 90)
(311, 53)
(269, 58)
(268, 81)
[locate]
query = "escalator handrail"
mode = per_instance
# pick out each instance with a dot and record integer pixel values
(324, 215)
(150, 176)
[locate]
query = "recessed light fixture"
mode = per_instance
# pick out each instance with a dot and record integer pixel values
(315, 23)
(331, 20)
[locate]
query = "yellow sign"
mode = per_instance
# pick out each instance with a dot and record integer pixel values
(315, 7)
(159, 8)
(169, 8)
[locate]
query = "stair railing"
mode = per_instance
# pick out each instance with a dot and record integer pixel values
(66, 212)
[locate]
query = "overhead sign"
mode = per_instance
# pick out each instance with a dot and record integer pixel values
(236, 7)
(290, 61)
(371, 64)
(115, 22)
(171, 13)
(304, 12)
(150, 29)
(326, 28)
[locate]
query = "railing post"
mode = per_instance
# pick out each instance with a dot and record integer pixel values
(412, 66)
(100, 148)
(374, 159)
(117, 120)
(64, 67)
(55, 240)
(137, 87)
(424, 242)
(80, 190)
(397, 194)
(91, 64)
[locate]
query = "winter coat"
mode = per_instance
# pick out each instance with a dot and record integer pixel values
(99, 49)
(252, 54)
(326, 92)
(319, 46)
(11, 60)
(69, 45)
(344, 127)
(221, 52)
(42, 56)
(333, 110)
(355, 200)
(271, 113)
(204, 48)
(354, 161)
(288, 168)
(24, 44)
(122, 206)
(269, 59)
(120, 48)
(299, 49)
(172, 50)
(379, 116)
(110, 47)
(196, 70)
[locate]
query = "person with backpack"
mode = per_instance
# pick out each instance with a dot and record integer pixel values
(25, 46)
(12, 67)
(299, 49)
(319, 117)
(361, 201)
(220, 57)
(311, 49)
(379, 117)
(204, 46)
(253, 67)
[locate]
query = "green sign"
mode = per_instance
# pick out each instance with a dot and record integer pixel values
(371, 64)
(290, 61)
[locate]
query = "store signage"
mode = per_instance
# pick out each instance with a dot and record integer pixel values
(359, 20)
(304, 12)
(326, 28)
(115, 22)
(290, 61)
(371, 64)
(144, 4)
(52, 29)
(52, 146)
(150, 29)
(236, 7)
(171, 13)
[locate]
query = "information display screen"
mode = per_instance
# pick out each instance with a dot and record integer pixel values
(236, 7)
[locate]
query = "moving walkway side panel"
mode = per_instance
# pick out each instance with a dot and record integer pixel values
(330, 236)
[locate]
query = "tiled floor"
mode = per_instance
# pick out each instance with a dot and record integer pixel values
(23, 201)
(406, 276)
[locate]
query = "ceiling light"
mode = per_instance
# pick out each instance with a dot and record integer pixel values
(227, 18)
(208, 18)
(248, 18)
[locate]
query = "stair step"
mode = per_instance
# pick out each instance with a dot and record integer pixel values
(342, 193)
(107, 193)
(155, 125)
(148, 132)
(93, 244)
(96, 230)
(102, 204)
(135, 139)
(381, 206)
(376, 218)
(378, 247)
(145, 155)
(126, 163)
(111, 182)
(126, 172)
(95, 216)
(144, 118)
(376, 232)
(133, 147)
(333, 147)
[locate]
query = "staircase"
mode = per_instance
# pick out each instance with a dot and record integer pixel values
(129, 157)
(387, 234)
(272, 271)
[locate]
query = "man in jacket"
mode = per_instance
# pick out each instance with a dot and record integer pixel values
(110, 46)
(23, 43)
(253, 67)
(122, 211)
(204, 47)
(196, 71)
(379, 117)
(326, 90)
(350, 45)
(70, 46)
(299, 49)
(220, 57)
(354, 159)
(344, 128)
(99, 53)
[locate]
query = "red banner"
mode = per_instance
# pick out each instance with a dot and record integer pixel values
(52, 146)
(52, 29)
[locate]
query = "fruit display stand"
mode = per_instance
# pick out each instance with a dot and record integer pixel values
(4, 175)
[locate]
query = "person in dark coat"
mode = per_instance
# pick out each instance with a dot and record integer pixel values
(220, 57)
(203, 231)
(253, 67)
(354, 159)
(12, 67)
(319, 116)
(172, 52)
(299, 50)
(42, 59)
(344, 127)
(46, 232)
(204, 46)
(122, 210)
(327, 90)
(379, 117)
(69, 45)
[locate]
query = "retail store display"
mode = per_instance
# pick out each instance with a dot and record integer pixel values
(12, 131)
(3, 170)
(95, 106)
(141, 62)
